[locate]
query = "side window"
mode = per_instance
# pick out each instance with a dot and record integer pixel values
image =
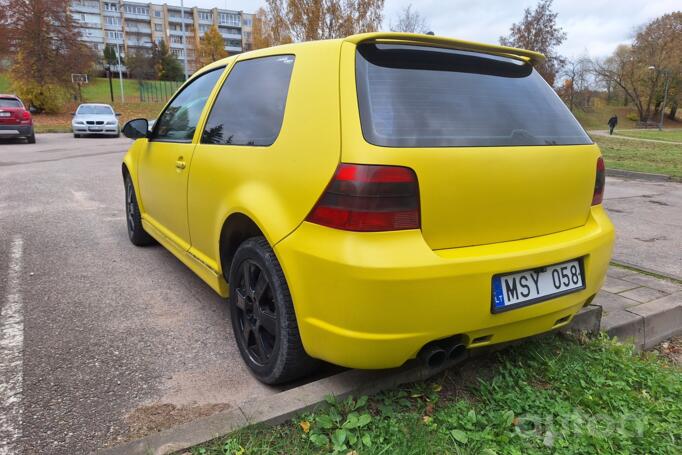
(179, 121)
(250, 106)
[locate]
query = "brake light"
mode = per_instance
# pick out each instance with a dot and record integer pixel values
(599, 182)
(25, 117)
(369, 198)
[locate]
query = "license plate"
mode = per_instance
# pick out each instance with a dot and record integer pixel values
(5, 114)
(517, 289)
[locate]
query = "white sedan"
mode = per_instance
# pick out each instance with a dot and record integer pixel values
(95, 119)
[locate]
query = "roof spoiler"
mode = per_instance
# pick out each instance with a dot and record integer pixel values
(534, 58)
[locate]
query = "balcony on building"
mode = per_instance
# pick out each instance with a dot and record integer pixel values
(85, 6)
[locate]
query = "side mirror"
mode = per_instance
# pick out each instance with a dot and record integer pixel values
(118, 114)
(151, 124)
(136, 128)
(73, 113)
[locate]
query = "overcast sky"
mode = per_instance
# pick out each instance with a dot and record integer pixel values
(594, 27)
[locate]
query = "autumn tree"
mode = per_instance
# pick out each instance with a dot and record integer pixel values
(538, 31)
(270, 27)
(212, 46)
(410, 21)
(640, 70)
(282, 21)
(46, 49)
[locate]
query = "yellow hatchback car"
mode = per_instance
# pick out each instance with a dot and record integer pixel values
(374, 199)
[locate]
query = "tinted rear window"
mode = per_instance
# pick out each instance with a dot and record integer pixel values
(10, 102)
(413, 96)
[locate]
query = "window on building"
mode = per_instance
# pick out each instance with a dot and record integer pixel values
(139, 10)
(109, 20)
(157, 13)
(158, 27)
(249, 109)
(110, 7)
(247, 21)
(230, 19)
(179, 121)
(115, 35)
(176, 39)
(205, 16)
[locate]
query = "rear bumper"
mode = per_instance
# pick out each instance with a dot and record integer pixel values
(373, 300)
(16, 130)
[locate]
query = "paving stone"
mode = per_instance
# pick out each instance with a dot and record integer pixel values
(652, 282)
(618, 272)
(643, 294)
(662, 318)
(616, 285)
(625, 326)
(613, 302)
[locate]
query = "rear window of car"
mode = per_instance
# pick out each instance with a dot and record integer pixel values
(416, 96)
(94, 110)
(10, 102)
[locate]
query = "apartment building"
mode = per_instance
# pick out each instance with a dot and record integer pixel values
(134, 25)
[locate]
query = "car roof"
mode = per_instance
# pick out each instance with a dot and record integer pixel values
(94, 104)
(2, 95)
(535, 58)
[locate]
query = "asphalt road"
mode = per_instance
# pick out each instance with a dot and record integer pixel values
(101, 341)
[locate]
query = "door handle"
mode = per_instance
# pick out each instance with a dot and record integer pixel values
(179, 164)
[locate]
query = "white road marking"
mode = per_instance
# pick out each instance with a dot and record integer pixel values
(11, 355)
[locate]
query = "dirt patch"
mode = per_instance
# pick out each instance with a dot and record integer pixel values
(671, 350)
(151, 419)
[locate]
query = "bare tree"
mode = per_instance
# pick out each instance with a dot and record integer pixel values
(576, 82)
(539, 31)
(410, 21)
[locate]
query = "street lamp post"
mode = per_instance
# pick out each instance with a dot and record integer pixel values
(666, 74)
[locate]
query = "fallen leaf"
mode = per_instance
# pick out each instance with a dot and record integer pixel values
(426, 419)
(437, 387)
(305, 426)
(429, 409)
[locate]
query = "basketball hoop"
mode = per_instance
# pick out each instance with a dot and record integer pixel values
(79, 79)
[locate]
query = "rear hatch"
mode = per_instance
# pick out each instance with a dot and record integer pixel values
(497, 154)
(10, 111)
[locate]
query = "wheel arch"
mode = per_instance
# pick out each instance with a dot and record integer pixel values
(236, 228)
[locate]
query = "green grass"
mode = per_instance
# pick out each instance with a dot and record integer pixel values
(665, 135)
(4, 83)
(642, 156)
(550, 395)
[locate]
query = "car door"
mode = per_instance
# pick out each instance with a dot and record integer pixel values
(164, 165)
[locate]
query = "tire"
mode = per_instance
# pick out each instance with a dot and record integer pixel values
(263, 317)
(136, 233)
(31, 139)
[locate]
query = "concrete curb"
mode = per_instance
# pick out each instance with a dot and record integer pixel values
(275, 409)
(639, 268)
(648, 324)
(621, 173)
(278, 408)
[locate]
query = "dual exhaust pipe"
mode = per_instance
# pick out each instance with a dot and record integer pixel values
(437, 353)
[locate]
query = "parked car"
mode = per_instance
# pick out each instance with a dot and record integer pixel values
(15, 119)
(95, 119)
(374, 199)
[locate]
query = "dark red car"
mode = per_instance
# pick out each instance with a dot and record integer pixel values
(15, 119)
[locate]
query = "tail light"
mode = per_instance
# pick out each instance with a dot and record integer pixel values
(369, 198)
(599, 182)
(25, 117)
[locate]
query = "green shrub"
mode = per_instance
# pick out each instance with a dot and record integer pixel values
(49, 98)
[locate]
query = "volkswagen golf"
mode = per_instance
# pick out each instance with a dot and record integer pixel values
(368, 200)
